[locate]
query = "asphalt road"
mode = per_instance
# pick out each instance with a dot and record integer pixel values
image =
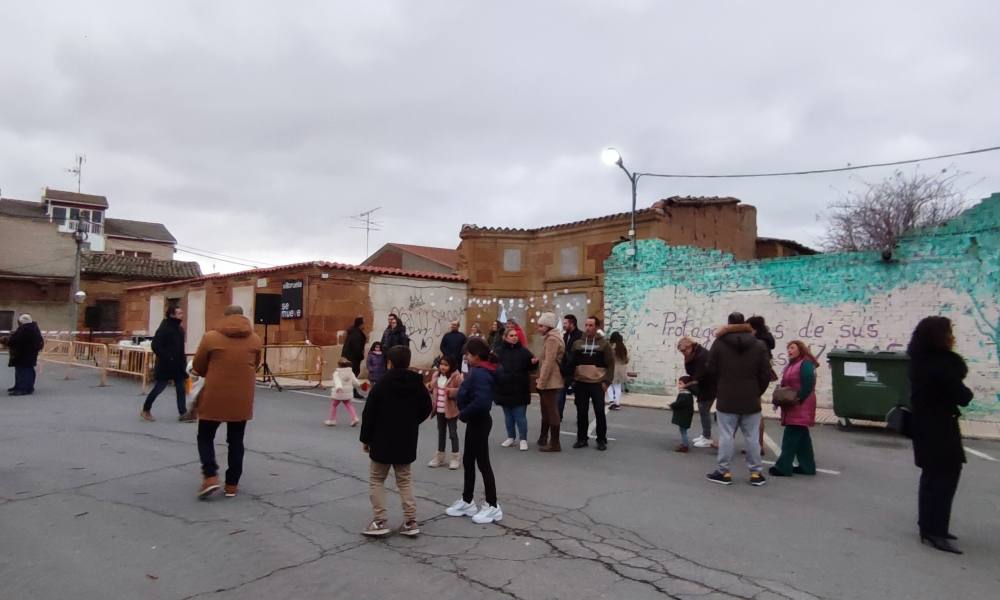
(95, 503)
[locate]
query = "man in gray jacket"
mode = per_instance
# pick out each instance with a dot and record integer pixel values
(739, 362)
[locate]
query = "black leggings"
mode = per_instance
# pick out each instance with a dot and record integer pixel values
(449, 426)
(477, 451)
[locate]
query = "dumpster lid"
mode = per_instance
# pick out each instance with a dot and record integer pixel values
(867, 355)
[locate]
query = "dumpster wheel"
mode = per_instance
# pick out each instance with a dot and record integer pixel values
(843, 424)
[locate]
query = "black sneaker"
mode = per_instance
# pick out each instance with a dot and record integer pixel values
(602, 446)
(720, 478)
(775, 472)
(580, 444)
(757, 479)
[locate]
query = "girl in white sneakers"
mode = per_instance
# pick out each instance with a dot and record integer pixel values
(475, 398)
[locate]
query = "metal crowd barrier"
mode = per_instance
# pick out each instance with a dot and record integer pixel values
(77, 354)
(293, 361)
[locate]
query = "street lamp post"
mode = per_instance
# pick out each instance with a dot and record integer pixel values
(77, 296)
(611, 156)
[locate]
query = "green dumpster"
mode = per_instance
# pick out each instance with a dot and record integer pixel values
(866, 385)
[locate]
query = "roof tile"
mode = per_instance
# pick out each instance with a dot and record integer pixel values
(131, 266)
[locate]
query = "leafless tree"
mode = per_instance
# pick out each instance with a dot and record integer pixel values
(875, 216)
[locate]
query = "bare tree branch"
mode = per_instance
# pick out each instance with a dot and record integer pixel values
(874, 217)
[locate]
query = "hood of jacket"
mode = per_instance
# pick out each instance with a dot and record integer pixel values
(235, 326)
(739, 337)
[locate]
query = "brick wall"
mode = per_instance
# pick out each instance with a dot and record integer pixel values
(843, 300)
(157, 250)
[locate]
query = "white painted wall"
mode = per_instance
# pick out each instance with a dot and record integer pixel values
(886, 323)
(244, 297)
(156, 308)
(194, 320)
(426, 307)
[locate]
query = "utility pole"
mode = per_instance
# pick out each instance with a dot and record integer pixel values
(368, 223)
(77, 296)
(78, 170)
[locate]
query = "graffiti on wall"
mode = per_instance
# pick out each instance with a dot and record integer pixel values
(425, 307)
(830, 301)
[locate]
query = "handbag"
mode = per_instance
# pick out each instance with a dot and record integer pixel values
(900, 420)
(785, 397)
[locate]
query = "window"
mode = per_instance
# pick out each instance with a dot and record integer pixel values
(569, 261)
(109, 315)
(59, 214)
(512, 259)
(70, 219)
(6, 320)
(134, 253)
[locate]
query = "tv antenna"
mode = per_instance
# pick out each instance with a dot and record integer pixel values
(368, 223)
(78, 170)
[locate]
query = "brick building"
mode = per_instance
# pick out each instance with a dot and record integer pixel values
(38, 260)
(414, 258)
(323, 300)
(561, 267)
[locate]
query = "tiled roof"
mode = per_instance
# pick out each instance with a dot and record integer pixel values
(139, 230)
(657, 208)
(75, 198)
(22, 209)
(140, 268)
(800, 248)
(318, 265)
(447, 257)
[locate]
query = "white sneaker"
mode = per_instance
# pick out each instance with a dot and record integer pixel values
(488, 514)
(702, 443)
(523, 445)
(461, 508)
(697, 439)
(329, 423)
(507, 443)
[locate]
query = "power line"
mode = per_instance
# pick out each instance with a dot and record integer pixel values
(242, 264)
(182, 247)
(850, 167)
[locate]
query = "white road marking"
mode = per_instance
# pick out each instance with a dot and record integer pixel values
(773, 447)
(593, 437)
(981, 455)
(777, 452)
(827, 471)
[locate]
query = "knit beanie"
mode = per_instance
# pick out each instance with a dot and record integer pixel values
(547, 320)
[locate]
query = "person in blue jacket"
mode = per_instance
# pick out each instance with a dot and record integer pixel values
(475, 399)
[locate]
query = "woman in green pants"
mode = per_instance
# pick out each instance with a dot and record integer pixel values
(796, 443)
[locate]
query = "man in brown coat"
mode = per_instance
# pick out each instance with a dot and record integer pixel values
(550, 382)
(227, 358)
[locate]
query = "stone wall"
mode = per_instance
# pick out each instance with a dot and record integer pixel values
(426, 307)
(842, 300)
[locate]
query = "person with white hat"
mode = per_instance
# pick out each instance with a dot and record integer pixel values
(550, 382)
(25, 344)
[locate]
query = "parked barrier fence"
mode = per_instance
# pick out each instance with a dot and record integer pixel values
(288, 361)
(77, 354)
(294, 361)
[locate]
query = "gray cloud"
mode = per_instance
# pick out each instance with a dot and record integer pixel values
(256, 129)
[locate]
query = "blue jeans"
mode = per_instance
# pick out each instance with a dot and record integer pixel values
(161, 384)
(729, 423)
(24, 379)
(516, 415)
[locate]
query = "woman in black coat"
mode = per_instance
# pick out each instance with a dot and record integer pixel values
(513, 387)
(936, 393)
(394, 334)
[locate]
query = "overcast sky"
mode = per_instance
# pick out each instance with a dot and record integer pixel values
(256, 129)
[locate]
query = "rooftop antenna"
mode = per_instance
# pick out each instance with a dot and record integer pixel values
(368, 223)
(78, 170)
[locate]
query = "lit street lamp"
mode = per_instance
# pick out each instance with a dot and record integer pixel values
(611, 157)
